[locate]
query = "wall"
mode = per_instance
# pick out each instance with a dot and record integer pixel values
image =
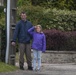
(59, 57)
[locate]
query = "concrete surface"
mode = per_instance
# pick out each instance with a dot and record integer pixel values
(47, 69)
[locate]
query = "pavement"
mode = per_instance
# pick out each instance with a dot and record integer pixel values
(47, 69)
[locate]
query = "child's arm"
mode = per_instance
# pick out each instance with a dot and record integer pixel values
(31, 30)
(44, 43)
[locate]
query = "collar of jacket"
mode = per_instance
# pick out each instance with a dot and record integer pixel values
(24, 21)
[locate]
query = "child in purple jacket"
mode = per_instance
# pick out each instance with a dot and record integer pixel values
(38, 45)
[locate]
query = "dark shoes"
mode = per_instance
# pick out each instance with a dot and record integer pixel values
(30, 68)
(21, 68)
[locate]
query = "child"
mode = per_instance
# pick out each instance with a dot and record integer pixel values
(38, 45)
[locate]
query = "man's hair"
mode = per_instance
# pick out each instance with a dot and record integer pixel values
(23, 13)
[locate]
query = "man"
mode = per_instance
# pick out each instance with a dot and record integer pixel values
(21, 33)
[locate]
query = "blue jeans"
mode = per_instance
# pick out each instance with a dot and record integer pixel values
(36, 58)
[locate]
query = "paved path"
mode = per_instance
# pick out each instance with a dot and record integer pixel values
(48, 69)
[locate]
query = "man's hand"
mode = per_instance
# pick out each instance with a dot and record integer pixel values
(13, 43)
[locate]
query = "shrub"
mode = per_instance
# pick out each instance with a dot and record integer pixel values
(71, 40)
(61, 23)
(3, 43)
(55, 39)
(59, 40)
(50, 18)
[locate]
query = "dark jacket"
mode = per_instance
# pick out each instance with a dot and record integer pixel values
(39, 40)
(21, 32)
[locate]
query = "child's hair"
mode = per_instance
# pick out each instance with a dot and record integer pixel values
(39, 27)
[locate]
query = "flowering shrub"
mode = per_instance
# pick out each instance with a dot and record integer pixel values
(59, 40)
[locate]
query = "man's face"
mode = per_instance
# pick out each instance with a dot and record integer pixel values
(23, 16)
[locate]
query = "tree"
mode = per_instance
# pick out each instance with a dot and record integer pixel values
(61, 4)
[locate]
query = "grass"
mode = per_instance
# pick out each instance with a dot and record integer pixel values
(7, 68)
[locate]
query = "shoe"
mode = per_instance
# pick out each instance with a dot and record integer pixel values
(38, 69)
(30, 68)
(21, 68)
(34, 70)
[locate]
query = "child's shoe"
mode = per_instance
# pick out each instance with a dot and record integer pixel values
(38, 69)
(34, 69)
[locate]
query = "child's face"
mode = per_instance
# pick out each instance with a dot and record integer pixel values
(38, 29)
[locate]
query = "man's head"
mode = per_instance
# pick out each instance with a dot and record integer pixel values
(23, 16)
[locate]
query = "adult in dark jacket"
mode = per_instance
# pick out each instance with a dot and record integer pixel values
(21, 33)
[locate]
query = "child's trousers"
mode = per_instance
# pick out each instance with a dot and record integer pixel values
(36, 58)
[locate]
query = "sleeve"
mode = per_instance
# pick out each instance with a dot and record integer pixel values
(15, 36)
(31, 30)
(31, 25)
(44, 43)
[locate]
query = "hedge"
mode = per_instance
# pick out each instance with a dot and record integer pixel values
(60, 40)
(3, 43)
(50, 18)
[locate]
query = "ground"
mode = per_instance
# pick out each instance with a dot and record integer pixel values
(47, 69)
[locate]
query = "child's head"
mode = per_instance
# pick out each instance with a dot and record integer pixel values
(39, 28)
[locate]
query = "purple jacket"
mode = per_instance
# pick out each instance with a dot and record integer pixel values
(39, 41)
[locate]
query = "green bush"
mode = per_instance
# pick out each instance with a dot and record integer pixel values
(2, 35)
(60, 4)
(63, 20)
(50, 18)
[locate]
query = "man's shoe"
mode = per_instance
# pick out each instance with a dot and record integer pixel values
(30, 68)
(21, 68)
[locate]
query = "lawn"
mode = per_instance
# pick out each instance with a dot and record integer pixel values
(7, 68)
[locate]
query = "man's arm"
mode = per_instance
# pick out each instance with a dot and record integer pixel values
(15, 35)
